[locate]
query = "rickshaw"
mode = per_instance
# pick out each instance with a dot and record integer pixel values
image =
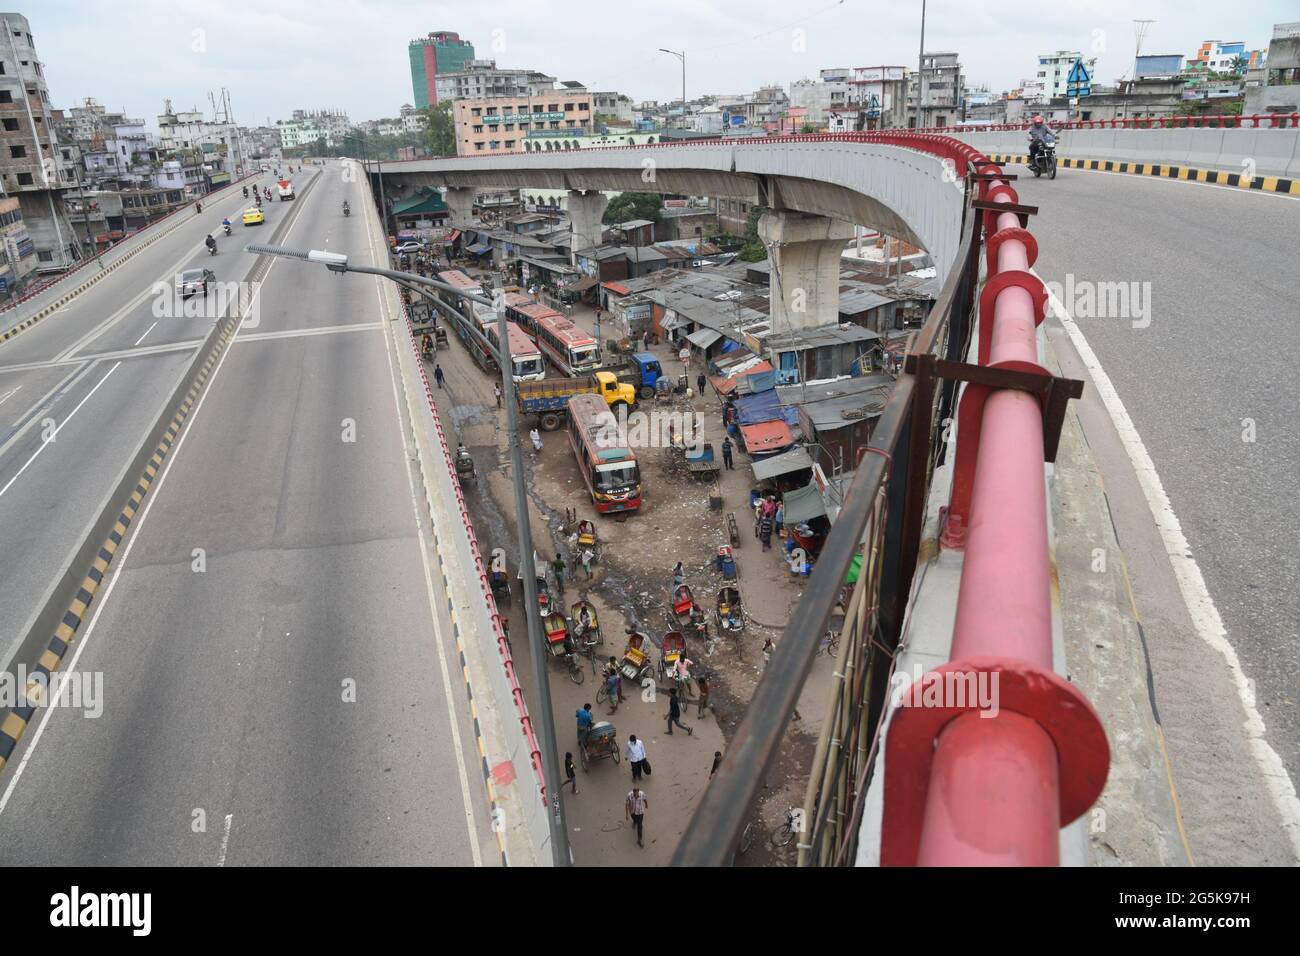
(556, 628)
(499, 581)
(729, 613)
(672, 653)
(601, 741)
(636, 662)
(465, 466)
(587, 628)
(587, 538)
(683, 605)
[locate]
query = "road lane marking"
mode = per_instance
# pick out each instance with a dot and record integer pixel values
(1191, 584)
(50, 441)
(439, 639)
(10, 394)
(146, 332)
(53, 395)
(299, 333)
(225, 839)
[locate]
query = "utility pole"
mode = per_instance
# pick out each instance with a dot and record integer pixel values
(920, 72)
(681, 56)
(527, 566)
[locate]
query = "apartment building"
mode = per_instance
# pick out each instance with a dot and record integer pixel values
(501, 124)
(482, 78)
(942, 83)
(36, 165)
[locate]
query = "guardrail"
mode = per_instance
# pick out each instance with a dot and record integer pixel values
(1215, 121)
(944, 764)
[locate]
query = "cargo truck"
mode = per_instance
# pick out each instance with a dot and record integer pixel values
(549, 398)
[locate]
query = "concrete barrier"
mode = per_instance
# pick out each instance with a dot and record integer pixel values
(1270, 153)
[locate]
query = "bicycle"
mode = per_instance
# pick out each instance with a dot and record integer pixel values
(830, 644)
(577, 673)
(787, 831)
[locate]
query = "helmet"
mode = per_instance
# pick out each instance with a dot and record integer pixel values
(1038, 118)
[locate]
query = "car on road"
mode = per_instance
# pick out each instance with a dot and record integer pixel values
(194, 282)
(410, 245)
(254, 217)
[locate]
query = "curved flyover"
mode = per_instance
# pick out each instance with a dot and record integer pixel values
(1043, 761)
(854, 178)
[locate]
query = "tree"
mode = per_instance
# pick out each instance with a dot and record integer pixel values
(628, 206)
(440, 129)
(808, 128)
(753, 250)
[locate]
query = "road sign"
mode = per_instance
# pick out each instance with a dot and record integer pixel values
(1079, 82)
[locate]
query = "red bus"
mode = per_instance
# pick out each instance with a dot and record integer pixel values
(526, 363)
(570, 349)
(460, 281)
(608, 466)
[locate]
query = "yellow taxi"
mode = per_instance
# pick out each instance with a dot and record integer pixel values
(254, 217)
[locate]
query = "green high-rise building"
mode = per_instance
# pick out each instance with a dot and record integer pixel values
(439, 52)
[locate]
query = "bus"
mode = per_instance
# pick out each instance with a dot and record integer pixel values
(570, 349)
(526, 363)
(463, 283)
(608, 466)
(468, 317)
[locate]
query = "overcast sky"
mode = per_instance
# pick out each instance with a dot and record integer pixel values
(352, 54)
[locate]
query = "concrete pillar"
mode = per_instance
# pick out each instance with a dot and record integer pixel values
(805, 279)
(585, 211)
(460, 200)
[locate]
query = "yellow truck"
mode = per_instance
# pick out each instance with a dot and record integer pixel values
(549, 398)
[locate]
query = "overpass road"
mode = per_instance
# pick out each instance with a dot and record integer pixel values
(1212, 359)
(294, 688)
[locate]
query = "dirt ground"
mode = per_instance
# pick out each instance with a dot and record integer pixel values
(630, 586)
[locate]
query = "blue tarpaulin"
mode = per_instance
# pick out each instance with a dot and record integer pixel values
(730, 346)
(764, 407)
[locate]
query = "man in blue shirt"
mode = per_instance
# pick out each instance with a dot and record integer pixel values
(585, 720)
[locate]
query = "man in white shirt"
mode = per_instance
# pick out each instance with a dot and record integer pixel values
(635, 756)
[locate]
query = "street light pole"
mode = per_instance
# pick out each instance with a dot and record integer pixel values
(545, 722)
(920, 72)
(681, 56)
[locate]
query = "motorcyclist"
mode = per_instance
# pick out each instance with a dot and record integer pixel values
(1039, 133)
(426, 346)
(346, 208)
(210, 243)
(245, 192)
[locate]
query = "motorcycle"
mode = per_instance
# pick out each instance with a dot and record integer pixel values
(347, 211)
(227, 228)
(212, 249)
(245, 192)
(1044, 161)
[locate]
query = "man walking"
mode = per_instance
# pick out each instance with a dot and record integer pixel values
(496, 390)
(438, 376)
(587, 558)
(717, 759)
(699, 384)
(636, 757)
(675, 713)
(557, 566)
(634, 808)
(679, 576)
(570, 773)
(726, 453)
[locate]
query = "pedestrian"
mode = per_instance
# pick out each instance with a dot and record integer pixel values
(612, 683)
(612, 669)
(765, 531)
(636, 757)
(587, 558)
(726, 453)
(438, 375)
(675, 714)
(768, 647)
(557, 566)
(717, 759)
(570, 772)
(496, 390)
(702, 682)
(536, 437)
(585, 721)
(679, 576)
(779, 517)
(699, 383)
(634, 808)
